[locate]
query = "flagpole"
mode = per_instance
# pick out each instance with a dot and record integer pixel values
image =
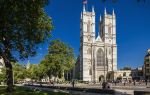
(85, 4)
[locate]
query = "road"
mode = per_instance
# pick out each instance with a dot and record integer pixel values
(128, 88)
(76, 92)
(119, 88)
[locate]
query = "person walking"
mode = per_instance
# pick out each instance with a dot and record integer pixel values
(115, 83)
(146, 82)
(124, 83)
(73, 83)
(134, 82)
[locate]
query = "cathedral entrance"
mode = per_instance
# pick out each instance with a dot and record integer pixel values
(101, 78)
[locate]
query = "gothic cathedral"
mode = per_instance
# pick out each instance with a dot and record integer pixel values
(98, 55)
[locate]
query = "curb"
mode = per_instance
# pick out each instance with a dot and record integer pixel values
(90, 90)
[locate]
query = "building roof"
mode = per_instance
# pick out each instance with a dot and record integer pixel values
(99, 39)
(147, 55)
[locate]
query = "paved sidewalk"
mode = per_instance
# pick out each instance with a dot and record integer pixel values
(98, 86)
(130, 92)
(80, 91)
(120, 90)
(66, 91)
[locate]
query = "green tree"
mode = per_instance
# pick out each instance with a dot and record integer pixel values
(3, 75)
(23, 25)
(35, 72)
(60, 59)
(19, 72)
(126, 68)
(32, 71)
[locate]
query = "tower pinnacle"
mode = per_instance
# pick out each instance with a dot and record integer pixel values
(113, 13)
(92, 8)
(84, 8)
(81, 15)
(105, 12)
(100, 18)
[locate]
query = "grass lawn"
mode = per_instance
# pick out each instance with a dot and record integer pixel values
(26, 91)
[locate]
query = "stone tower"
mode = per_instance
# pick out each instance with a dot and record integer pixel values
(98, 55)
(87, 36)
(108, 36)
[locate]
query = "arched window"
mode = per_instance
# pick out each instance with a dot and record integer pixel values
(124, 74)
(89, 26)
(100, 57)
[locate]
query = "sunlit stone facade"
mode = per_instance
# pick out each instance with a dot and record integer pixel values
(147, 65)
(98, 54)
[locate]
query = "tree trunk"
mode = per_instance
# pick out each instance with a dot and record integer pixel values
(9, 75)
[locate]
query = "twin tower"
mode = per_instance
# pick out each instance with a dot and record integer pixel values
(98, 55)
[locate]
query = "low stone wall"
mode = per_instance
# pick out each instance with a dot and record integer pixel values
(90, 90)
(141, 92)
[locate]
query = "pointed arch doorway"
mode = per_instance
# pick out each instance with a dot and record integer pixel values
(101, 78)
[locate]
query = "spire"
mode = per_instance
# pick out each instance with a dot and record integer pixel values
(83, 8)
(113, 13)
(81, 15)
(93, 9)
(105, 12)
(100, 18)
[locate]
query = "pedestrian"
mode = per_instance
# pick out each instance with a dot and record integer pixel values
(115, 83)
(140, 82)
(57, 81)
(134, 83)
(73, 83)
(146, 82)
(124, 83)
(53, 83)
(40, 84)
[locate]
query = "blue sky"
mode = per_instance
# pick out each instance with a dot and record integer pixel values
(133, 27)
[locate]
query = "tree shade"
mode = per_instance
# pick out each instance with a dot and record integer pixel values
(23, 25)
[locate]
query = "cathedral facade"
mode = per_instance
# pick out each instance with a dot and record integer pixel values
(98, 54)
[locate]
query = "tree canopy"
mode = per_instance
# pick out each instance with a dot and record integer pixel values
(126, 68)
(34, 72)
(19, 72)
(60, 59)
(23, 25)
